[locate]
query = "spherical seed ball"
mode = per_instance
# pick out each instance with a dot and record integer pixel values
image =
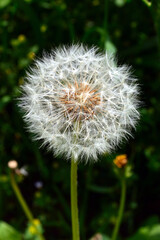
(79, 102)
(13, 164)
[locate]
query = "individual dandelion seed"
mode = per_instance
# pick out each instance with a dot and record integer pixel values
(78, 101)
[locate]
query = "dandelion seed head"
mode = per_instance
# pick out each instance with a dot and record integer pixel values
(77, 101)
(12, 164)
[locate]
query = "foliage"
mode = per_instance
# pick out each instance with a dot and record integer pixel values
(8, 232)
(129, 28)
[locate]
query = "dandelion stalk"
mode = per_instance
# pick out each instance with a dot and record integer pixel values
(23, 203)
(20, 197)
(74, 99)
(74, 202)
(121, 206)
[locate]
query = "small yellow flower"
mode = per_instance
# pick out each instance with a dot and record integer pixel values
(36, 222)
(32, 230)
(43, 28)
(31, 55)
(21, 38)
(121, 160)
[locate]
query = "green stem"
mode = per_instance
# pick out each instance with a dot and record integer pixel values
(74, 203)
(105, 36)
(106, 18)
(20, 198)
(155, 10)
(121, 207)
(85, 204)
(22, 202)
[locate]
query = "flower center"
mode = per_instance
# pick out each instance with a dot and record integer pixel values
(80, 101)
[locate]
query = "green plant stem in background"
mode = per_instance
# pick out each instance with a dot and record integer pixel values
(106, 19)
(20, 197)
(74, 202)
(22, 202)
(155, 10)
(121, 206)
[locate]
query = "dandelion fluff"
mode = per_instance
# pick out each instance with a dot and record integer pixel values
(77, 101)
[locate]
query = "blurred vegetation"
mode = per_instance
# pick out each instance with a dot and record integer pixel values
(130, 29)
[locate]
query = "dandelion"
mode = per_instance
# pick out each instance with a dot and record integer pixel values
(13, 164)
(121, 160)
(80, 104)
(78, 101)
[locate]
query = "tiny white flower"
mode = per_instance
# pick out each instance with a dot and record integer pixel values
(79, 102)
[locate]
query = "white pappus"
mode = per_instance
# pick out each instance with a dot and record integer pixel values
(79, 102)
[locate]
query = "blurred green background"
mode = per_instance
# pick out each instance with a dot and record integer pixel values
(131, 30)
